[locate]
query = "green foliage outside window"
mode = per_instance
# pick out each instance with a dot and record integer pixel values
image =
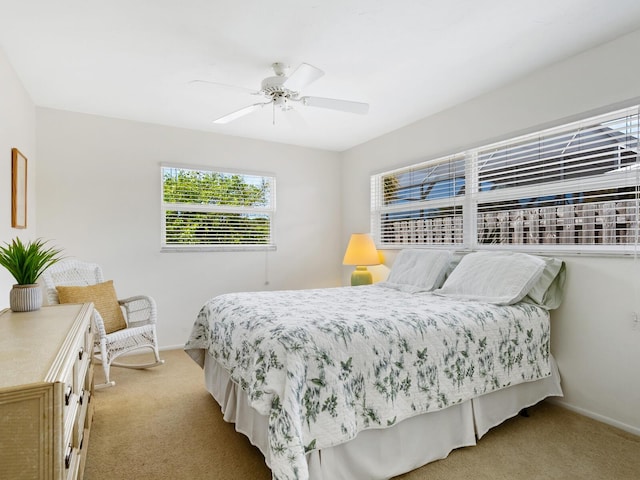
(213, 208)
(201, 187)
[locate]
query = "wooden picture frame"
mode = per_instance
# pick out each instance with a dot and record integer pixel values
(18, 189)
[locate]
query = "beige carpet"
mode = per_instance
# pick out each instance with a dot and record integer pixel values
(162, 424)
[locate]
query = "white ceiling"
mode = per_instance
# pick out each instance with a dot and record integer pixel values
(408, 59)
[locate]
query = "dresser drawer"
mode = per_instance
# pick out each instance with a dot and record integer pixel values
(81, 368)
(75, 377)
(80, 423)
(81, 389)
(89, 337)
(71, 463)
(69, 408)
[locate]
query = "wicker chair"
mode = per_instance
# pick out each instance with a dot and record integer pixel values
(139, 312)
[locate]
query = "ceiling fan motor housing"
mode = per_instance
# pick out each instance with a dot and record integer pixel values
(274, 85)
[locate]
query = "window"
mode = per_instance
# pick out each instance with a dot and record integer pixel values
(208, 209)
(571, 188)
(421, 204)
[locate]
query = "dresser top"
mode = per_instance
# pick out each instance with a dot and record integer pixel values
(31, 343)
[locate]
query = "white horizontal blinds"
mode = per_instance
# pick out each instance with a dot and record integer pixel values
(421, 204)
(200, 228)
(571, 186)
(216, 208)
(575, 187)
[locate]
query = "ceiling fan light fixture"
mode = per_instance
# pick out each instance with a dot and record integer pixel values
(282, 101)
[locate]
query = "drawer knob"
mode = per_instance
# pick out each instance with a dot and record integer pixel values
(81, 353)
(67, 457)
(67, 395)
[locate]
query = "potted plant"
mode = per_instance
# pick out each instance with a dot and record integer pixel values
(26, 262)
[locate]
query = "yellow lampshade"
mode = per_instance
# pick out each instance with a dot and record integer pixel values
(361, 251)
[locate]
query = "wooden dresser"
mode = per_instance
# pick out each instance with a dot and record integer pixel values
(46, 385)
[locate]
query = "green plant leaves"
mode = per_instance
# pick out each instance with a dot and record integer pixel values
(27, 261)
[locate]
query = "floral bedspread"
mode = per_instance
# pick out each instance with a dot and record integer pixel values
(325, 364)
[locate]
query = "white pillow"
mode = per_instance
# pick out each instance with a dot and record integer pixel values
(548, 291)
(502, 278)
(419, 270)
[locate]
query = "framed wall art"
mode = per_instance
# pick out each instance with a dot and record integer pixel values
(18, 189)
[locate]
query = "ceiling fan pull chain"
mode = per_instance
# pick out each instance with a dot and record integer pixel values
(274, 112)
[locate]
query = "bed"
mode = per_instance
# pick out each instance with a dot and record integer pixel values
(373, 381)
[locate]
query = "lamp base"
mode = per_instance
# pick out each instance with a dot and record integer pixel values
(361, 276)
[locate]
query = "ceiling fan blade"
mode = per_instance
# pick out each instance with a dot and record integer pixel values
(225, 85)
(302, 76)
(295, 119)
(240, 113)
(335, 104)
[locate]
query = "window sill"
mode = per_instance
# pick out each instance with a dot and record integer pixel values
(217, 248)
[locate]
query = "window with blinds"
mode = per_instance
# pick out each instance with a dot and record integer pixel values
(574, 187)
(213, 209)
(420, 204)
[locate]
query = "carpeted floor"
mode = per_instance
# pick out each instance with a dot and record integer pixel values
(162, 424)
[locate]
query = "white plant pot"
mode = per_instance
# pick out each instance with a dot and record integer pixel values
(25, 298)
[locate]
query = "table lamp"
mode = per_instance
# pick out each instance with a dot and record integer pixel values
(361, 251)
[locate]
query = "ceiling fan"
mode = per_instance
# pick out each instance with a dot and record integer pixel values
(283, 91)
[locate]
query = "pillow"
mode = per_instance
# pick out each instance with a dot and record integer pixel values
(549, 289)
(419, 270)
(104, 298)
(502, 278)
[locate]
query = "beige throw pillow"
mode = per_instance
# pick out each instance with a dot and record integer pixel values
(104, 298)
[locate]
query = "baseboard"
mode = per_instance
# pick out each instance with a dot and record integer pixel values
(180, 346)
(601, 418)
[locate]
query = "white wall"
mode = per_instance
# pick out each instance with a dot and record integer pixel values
(592, 338)
(17, 130)
(99, 198)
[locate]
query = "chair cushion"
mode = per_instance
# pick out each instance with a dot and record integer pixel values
(104, 298)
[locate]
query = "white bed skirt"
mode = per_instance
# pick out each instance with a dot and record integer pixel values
(378, 454)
